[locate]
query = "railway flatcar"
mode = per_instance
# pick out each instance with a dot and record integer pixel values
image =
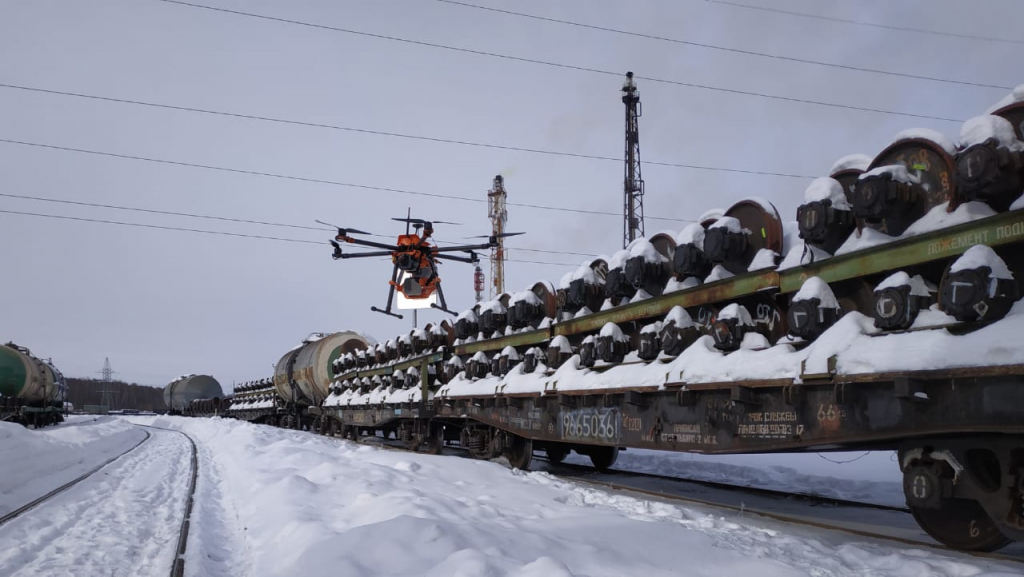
(886, 316)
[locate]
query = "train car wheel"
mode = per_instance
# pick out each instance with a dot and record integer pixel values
(603, 457)
(556, 453)
(961, 524)
(434, 442)
(519, 452)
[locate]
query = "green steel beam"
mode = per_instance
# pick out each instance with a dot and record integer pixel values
(534, 337)
(1005, 228)
(730, 288)
(389, 369)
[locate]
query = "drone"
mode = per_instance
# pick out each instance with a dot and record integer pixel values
(415, 259)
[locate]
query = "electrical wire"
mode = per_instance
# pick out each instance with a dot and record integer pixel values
(381, 132)
(215, 232)
(870, 24)
(162, 212)
(318, 180)
(560, 65)
(157, 226)
(238, 220)
(722, 48)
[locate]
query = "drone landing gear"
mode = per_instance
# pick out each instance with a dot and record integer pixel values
(391, 296)
(386, 312)
(440, 296)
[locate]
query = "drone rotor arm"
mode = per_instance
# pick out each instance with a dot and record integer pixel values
(367, 254)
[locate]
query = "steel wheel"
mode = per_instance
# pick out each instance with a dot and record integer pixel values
(519, 452)
(556, 453)
(603, 457)
(961, 524)
(434, 442)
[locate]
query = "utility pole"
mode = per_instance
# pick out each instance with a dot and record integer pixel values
(498, 213)
(633, 183)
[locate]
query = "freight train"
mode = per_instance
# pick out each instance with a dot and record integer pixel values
(885, 317)
(32, 390)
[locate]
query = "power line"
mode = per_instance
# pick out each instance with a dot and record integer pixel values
(870, 24)
(560, 65)
(141, 225)
(722, 48)
(379, 132)
(231, 219)
(202, 231)
(315, 180)
(162, 212)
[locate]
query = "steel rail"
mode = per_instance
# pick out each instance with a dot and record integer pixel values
(783, 517)
(178, 567)
(36, 502)
(773, 493)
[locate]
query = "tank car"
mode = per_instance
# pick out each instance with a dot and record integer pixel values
(179, 393)
(32, 391)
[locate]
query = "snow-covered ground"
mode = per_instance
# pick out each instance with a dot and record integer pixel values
(868, 477)
(277, 502)
(124, 520)
(33, 463)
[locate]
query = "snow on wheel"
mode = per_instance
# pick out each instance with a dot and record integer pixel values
(747, 227)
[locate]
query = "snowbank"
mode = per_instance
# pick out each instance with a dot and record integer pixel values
(35, 462)
(301, 504)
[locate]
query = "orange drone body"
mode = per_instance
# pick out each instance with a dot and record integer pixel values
(422, 283)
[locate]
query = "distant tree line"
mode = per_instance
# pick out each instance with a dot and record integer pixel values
(83, 392)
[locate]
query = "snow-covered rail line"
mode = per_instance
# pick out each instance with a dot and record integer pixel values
(124, 520)
(887, 522)
(799, 496)
(178, 568)
(36, 502)
(889, 528)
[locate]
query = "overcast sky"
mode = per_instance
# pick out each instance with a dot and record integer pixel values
(159, 303)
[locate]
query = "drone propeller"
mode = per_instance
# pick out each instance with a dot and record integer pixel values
(344, 231)
(502, 235)
(423, 221)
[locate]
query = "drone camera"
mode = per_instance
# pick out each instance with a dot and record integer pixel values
(407, 262)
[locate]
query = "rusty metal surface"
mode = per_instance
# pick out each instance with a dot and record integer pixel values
(931, 164)
(738, 419)
(847, 179)
(765, 228)
(993, 231)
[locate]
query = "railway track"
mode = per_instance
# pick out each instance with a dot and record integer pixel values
(880, 522)
(178, 566)
(39, 501)
(819, 500)
(890, 523)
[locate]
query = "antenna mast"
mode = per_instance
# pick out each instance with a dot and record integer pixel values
(633, 183)
(499, 217)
